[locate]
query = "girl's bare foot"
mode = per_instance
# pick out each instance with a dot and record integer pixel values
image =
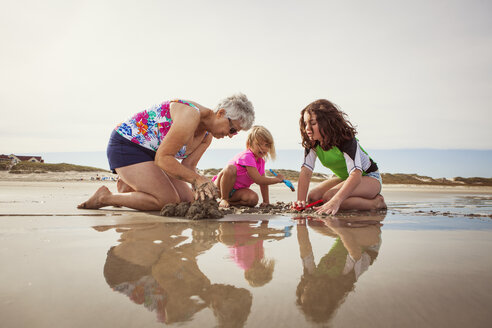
(96, 201)
(224, 203)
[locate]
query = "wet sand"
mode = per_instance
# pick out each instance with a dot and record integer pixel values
(428, 264)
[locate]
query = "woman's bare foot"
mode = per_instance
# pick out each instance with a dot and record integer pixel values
(380, 204)
(96, 201)
(224, 203)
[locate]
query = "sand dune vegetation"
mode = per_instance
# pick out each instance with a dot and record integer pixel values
(292, 175)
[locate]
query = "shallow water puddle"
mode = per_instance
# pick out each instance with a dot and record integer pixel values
(266, 271)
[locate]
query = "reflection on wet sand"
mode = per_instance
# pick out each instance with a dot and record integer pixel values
(324, 287)
(245, 242)
(156, 265)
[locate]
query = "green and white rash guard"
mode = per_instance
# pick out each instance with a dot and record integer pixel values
(341, 160)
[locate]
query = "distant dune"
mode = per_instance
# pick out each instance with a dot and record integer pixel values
(388, 178)
(35, 167)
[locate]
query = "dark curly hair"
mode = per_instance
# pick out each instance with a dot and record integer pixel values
(333, 124)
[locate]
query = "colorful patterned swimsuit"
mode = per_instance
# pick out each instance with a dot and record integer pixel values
(149, 127)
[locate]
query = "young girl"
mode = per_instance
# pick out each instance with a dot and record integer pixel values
(245, 168)
(329, 136)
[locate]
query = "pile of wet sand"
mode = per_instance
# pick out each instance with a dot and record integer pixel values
(210, 209)
(198, 210)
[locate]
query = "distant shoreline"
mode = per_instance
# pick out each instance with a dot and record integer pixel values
(435, 163)
(34, 171)
(106, 176)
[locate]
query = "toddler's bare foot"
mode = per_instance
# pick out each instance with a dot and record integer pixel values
(224, 203)
(95, 201)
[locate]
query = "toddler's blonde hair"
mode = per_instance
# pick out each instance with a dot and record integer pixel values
(261, 134)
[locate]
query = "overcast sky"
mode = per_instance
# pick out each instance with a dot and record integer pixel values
(410, 74)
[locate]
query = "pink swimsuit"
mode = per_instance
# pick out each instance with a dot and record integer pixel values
(241, 161)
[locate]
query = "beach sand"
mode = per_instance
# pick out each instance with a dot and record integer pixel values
(428, 264)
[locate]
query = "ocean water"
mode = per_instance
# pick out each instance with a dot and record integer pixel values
(435, 163)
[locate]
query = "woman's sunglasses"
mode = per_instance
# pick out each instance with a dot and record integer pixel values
(232, 129)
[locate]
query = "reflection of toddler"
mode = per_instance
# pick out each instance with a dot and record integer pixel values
(248, 253)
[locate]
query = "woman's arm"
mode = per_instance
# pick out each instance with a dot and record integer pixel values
(262, 180)
(192, 160)
(185, 123)
(333, 205)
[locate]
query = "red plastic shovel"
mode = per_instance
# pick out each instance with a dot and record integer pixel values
(302, 208)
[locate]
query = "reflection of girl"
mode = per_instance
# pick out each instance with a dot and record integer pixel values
(247, 250)
(323, 287)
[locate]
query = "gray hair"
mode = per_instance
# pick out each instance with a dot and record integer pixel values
(238, 107)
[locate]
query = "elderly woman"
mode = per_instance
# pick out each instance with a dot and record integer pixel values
(145, 149)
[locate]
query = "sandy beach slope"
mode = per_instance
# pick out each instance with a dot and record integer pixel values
(59, 193)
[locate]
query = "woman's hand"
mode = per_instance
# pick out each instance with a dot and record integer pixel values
(264, 204)
(204, 189)
(331, 207)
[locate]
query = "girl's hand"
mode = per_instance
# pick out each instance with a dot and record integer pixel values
(299, 203)
(330, 208)
(264, 204)
(204, 189)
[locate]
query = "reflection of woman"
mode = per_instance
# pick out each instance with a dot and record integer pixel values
(155, 265)
(324, 287)
(145, 149)
(245, 242)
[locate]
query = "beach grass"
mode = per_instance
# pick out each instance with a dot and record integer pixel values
(292, 175)
(388, 178)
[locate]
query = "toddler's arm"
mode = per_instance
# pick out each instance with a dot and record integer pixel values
(262, 180)
(265, 195)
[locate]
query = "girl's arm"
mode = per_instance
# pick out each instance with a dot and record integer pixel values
(333, 205)
(303, 185)
(265, 195)
(185, 123)
(262, 180)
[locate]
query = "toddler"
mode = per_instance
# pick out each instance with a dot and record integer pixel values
(246, 168)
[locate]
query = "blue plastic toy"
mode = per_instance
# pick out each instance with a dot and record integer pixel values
(287, 182)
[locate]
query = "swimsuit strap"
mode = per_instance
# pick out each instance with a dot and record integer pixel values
(185, 103)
